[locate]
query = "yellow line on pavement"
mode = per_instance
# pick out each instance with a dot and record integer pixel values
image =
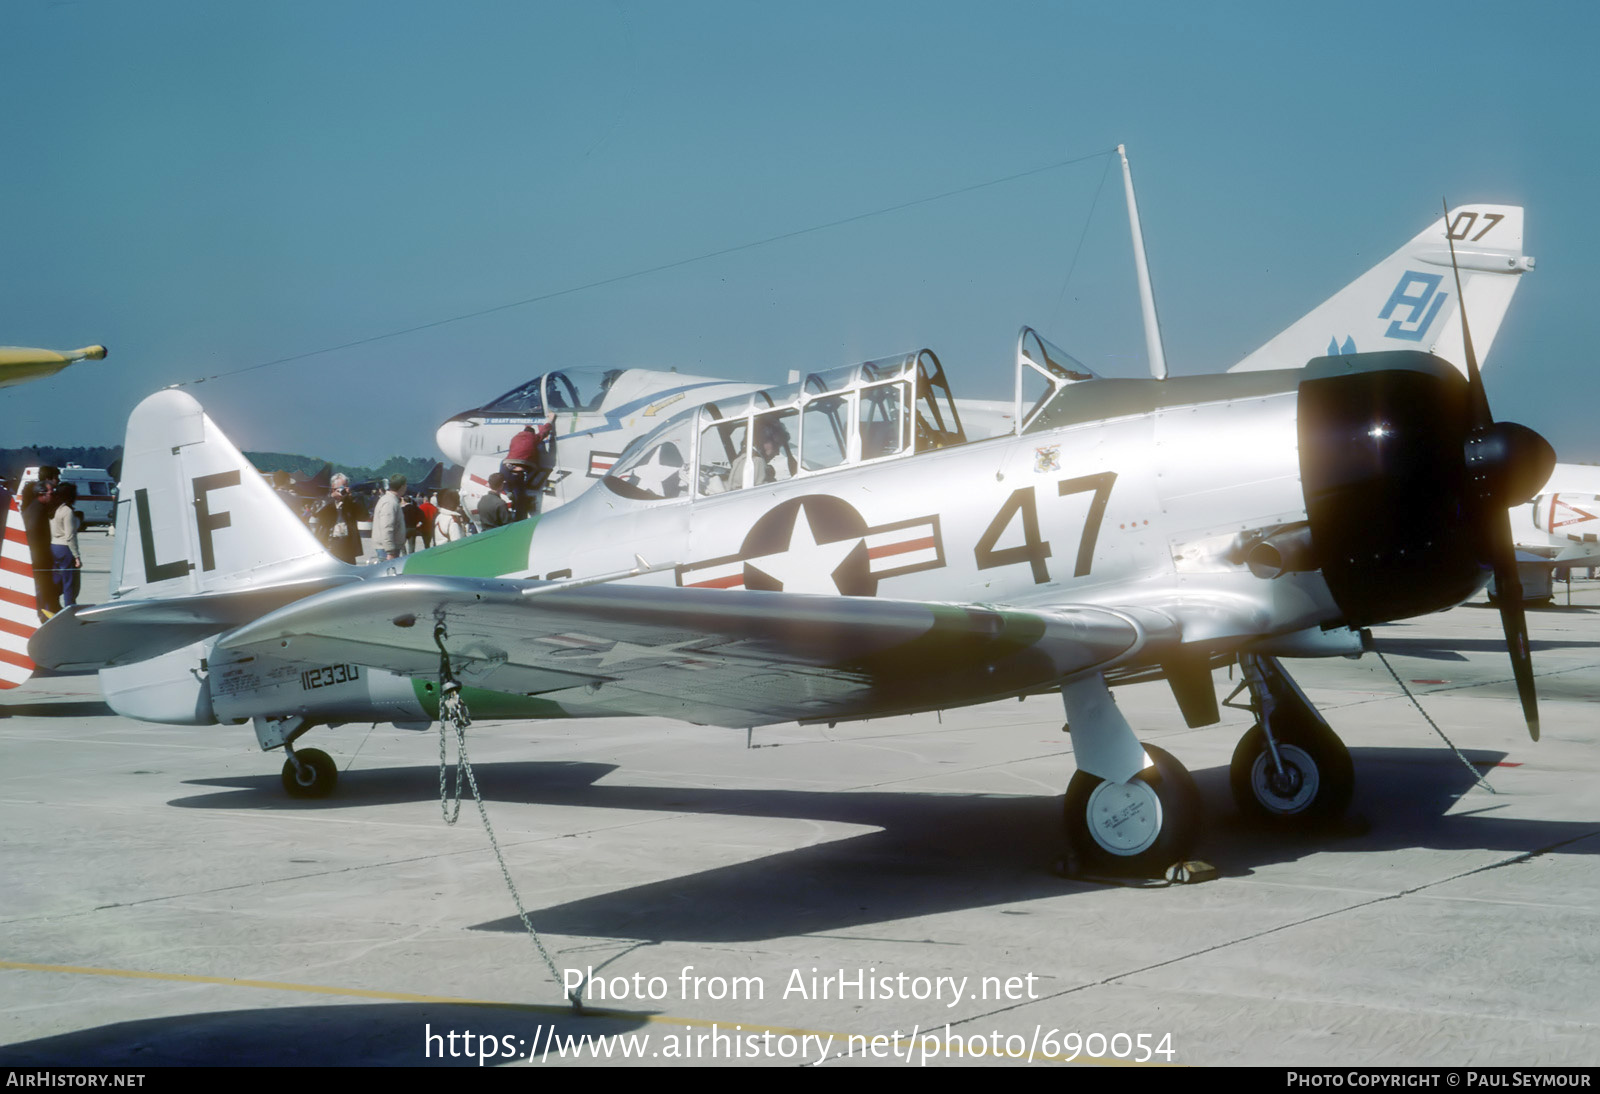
(900, 1045)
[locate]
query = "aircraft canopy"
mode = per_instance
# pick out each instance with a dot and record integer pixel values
(554, 392)
(878, 410)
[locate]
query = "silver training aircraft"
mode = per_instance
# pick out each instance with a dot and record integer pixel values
(839, 548)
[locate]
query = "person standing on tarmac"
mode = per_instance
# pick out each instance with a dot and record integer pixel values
(37, 501)
(492, 509)
(64, 524)
(449, 525)
(338, 522)
(389, 521)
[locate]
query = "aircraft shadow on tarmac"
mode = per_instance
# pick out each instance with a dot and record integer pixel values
(1433, 647)
(1544, 607)
(930, 853)
(84, 708)
(387, 1034)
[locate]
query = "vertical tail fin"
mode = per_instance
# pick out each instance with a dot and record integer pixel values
(1408, 301)
(19, 604)
(194, 516)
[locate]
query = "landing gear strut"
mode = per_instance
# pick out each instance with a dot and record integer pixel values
(1130, 809)
(1290, 768)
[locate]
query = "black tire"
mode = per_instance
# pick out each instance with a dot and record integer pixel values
(1320, 777)
(1137, 828)
(315, 778)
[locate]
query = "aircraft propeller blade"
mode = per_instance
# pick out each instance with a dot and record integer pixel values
(1478, 396)
(1508, 463)
(1513, 620)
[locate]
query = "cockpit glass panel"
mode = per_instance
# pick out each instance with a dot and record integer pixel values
(593, 386)
(834, 379)
(774, 444)
(525, 399)
(580, 389)
(825, 432)
(723, 448)
(883, 420)
(728, 463)
(1053, 359)
(888, 368)
(1043, 371)
(787, 395)
(938, 421)
(655, 467)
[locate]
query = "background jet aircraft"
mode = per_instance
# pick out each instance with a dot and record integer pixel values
(1562, 522)
(895, 565)
(596, 414)
(19, 364)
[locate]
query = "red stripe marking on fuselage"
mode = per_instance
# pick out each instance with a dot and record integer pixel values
(925, 544)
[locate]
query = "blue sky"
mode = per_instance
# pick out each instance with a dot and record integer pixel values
(206, 187)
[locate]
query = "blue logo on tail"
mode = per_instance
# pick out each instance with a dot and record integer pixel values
(1419, 294)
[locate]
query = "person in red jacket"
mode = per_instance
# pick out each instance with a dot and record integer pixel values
(527, 466)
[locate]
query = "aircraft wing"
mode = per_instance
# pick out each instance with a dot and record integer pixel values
(724, 657)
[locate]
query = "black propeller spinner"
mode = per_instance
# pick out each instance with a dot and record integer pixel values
(1506, 465)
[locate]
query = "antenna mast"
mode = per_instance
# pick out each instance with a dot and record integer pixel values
(1147, 297)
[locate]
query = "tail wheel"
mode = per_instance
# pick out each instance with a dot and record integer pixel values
(1139, 827)
(313, 777)
(1316, 781)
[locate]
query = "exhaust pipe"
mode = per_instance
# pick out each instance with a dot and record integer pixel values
(1285, 552)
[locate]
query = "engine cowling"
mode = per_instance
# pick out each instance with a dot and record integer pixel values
(1395, 517)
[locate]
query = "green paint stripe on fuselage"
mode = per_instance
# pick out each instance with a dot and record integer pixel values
(489, 554)
(494, 553)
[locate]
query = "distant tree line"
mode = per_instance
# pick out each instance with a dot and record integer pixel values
(14, 460)
(413, 468)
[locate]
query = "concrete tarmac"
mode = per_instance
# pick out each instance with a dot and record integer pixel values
(875, 891)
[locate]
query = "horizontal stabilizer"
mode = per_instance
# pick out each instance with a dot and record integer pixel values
(131, 630)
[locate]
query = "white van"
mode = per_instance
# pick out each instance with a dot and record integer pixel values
(97, 491)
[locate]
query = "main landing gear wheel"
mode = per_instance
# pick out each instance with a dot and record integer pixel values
(1316, 782)
(1139, 827)
(314, 777)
